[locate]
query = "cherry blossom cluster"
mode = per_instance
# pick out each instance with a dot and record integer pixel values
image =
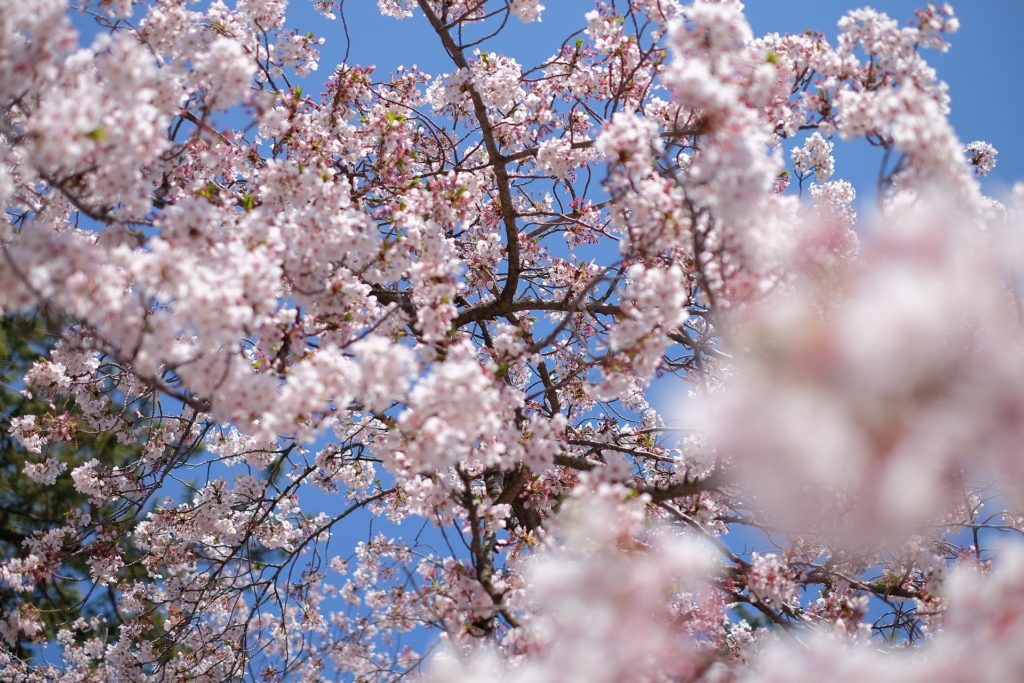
(362, 375)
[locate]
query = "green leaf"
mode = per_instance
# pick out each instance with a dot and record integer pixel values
(210, 191)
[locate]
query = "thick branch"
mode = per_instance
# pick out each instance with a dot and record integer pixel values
(508, 214)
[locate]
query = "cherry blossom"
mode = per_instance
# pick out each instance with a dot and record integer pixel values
(982, 156)
(331, 372)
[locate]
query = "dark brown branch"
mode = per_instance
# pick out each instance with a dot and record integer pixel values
(501, 177)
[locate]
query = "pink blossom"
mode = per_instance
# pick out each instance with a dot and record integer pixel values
(334, 366)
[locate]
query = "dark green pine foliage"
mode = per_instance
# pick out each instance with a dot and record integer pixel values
(27, 508)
